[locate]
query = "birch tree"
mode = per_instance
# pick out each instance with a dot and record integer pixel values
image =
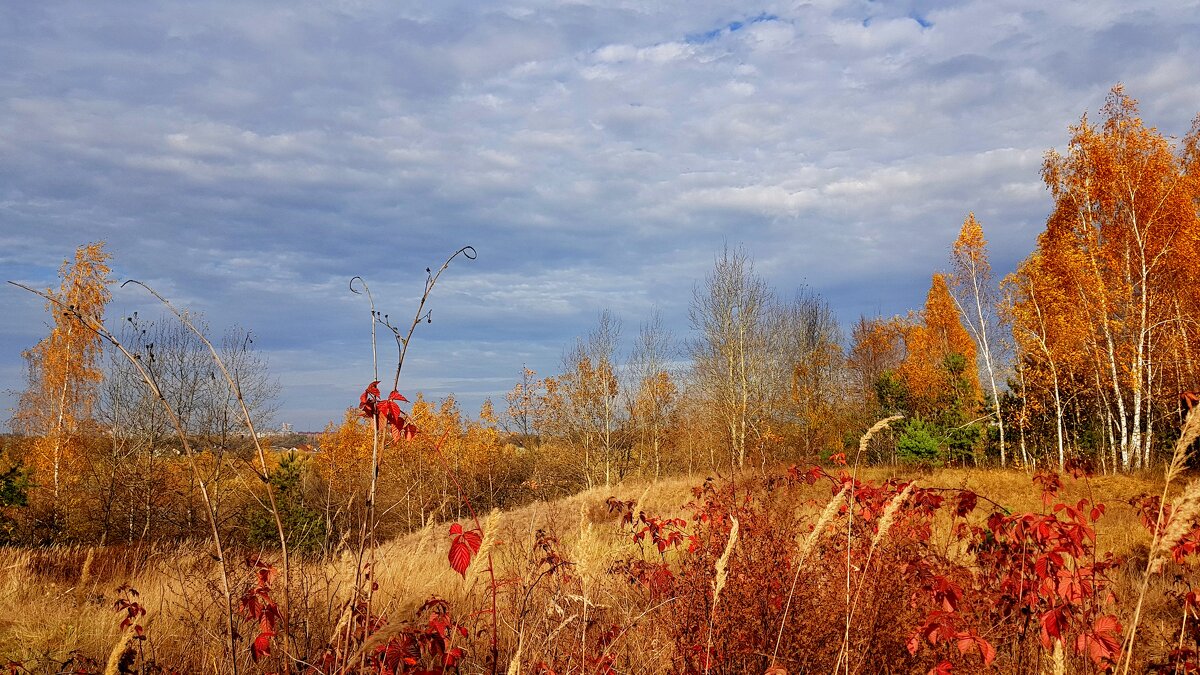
(972, 288)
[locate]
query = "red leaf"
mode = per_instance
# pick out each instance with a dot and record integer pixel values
(1052, 624)
(396, 396)
(261, 646)
(367, 401)
(390, 411)
(967, 501)
(969, 640)
(1100, 643)
(463, 545)
(943, 668)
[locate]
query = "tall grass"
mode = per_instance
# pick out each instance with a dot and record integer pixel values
(55, 605)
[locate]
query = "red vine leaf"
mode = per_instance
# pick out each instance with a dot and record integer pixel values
(463, 545)
(1101, 643)
(943, 668)
(261, 646)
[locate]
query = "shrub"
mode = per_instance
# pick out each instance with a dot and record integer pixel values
(920, 443)
(304, 525)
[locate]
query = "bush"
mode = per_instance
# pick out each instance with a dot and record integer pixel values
(920, 443)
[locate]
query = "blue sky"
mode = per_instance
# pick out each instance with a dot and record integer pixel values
(248, 158)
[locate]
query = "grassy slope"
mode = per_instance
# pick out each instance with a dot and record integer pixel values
(57, 601)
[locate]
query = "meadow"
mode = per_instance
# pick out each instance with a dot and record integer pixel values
(900, 571)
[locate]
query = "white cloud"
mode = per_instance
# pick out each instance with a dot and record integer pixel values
(249, 158)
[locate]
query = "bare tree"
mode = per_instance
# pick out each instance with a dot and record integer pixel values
(809, 345)
(140, 432)
(652, 391)
(730, 312)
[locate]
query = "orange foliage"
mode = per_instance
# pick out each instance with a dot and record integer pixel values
(1114, 275)
(63, 374)
(878, 347)
(931, 345)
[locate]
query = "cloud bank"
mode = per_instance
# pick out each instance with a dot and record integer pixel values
(248, 158)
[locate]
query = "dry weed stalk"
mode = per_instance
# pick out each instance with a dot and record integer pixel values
(1059, 659)
(722, 568)
(85, 574)
(885, 524)
(889, 516)
(862, 449)
(866, 438)
(1185, 508)
(113, 666)
(810, 542)
(719, 578)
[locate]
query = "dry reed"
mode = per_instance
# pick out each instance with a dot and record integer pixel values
(118, 652)
(889, 516)
(722, 574)
(810, 541)
(876, 428)
(1185, 510)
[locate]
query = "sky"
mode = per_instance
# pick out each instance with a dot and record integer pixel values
(248, 158)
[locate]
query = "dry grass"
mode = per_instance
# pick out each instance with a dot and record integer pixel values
(57, 603)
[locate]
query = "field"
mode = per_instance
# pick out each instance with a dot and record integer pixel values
(577, 591)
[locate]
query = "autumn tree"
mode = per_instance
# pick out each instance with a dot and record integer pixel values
(809, 343)
(523, 407)
(62, 370)
(939, 367)
(876, 352)
(974, 294)
(1121, 245)
(939, 375)
(583, 405)
(342, 464)
(1051, 342)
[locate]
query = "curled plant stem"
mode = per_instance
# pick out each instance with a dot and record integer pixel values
(431, 280)
(366, 550)
(367, 543)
